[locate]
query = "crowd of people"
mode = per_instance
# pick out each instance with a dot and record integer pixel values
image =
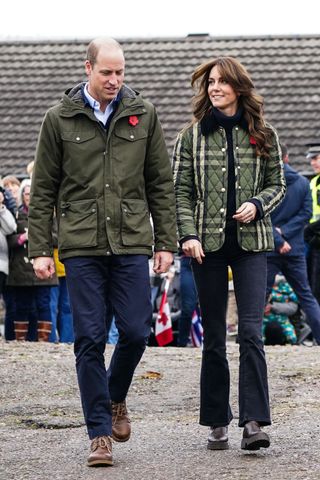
(230, 200)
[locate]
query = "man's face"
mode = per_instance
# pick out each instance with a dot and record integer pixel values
(106, 75)
(315, 164)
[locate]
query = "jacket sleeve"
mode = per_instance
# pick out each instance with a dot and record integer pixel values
(274, 184)
(7, 222)
(297, 222)
(183, 176)
(44, 189)
(159, 189)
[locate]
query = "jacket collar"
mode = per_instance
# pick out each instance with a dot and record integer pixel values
(74, 100)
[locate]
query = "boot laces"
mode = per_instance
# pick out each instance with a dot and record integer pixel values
(102, 442)
(119, 409)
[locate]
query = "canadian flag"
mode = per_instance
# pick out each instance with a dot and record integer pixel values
(163, 328)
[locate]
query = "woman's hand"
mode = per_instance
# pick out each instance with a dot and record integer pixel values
(192, 248)
(246, 213)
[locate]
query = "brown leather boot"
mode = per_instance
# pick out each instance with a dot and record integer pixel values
(121, 428)
(253, 437)
(218, 438)
(44, 330)
(101, 452)
(21, 330)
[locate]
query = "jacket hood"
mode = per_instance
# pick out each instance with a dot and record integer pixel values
(290, 174)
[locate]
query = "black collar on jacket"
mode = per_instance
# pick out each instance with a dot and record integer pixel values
(215, 119)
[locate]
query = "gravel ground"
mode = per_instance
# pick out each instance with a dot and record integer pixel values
(42, 434)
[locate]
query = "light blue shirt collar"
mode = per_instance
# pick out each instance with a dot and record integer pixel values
(95, 105)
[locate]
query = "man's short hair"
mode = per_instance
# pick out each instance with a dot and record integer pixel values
(94, 47)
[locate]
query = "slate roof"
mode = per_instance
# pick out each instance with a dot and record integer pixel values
(285, 69)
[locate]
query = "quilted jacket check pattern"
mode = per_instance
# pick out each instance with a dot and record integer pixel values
(200, 165)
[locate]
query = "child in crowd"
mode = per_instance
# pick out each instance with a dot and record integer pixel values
(277, 328)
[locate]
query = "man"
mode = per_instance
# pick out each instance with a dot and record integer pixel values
(289, 220)
(312, 232)
(101, 161)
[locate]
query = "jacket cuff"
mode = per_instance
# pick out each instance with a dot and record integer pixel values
(188, 237)
(259, 213)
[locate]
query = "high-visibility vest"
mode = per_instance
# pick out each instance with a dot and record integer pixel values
(60, 271)
(315, 192)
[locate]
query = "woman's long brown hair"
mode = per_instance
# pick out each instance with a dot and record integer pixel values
(234, 73)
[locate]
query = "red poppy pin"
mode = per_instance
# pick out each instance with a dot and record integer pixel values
(133, 120)
(253, 141)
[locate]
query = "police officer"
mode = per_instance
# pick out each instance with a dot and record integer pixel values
(312, 232)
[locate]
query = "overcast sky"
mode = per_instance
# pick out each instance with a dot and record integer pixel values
(82, 19)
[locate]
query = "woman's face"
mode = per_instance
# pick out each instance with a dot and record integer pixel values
(26, 195)
(221, 94)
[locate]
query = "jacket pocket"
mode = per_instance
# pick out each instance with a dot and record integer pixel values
(78, 224)
(136, 227)
(131, 134)
(78, 137)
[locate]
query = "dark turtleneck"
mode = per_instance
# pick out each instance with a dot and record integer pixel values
(228, 123)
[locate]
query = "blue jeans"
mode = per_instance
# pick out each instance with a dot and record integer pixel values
(62, 323)
(189, 301)
(249, 277)
(294, 268)
(113, 334)
(124, 280)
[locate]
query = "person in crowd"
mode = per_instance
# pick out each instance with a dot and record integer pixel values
(61, 316)
(228, 177)
(277, 329)
(12, 185)
(29, 169)
(62, 325)
(312, 230)
(102, 161)
(7, 227)
(31, 295)
(189, 301)
(289, 220)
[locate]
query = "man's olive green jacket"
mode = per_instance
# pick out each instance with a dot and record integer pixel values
(103, 183)
(201, 184)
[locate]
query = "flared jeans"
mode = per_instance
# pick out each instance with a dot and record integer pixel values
(249, 276)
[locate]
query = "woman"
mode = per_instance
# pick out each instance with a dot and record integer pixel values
(228, 178)
(31, 295)
(7, 226)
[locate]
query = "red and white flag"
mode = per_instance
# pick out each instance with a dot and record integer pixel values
(163, 327)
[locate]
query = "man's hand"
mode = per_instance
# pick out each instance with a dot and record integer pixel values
(286, 247)
(43, 267)
(193, 248)
(246, 213)
(162, 261)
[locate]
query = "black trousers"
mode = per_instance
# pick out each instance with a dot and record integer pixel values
(92, 283)
(249, 277)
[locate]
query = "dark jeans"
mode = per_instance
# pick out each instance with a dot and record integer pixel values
(124, 280)
(27, 304)
(294, 268)
(249, 277)
(314, 272)
(189, 299)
